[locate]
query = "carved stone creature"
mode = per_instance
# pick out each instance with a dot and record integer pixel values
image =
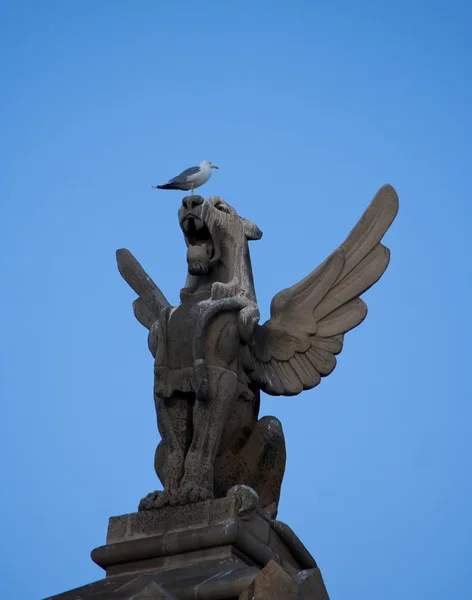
(212, 358)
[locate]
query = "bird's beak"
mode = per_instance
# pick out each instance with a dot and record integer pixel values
(214, 167)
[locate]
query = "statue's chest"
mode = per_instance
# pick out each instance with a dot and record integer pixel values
(177, 335)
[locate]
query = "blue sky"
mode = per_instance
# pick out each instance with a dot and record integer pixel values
(308, 108)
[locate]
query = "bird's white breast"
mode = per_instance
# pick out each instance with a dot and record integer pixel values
(201, 177)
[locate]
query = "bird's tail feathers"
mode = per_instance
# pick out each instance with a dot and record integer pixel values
(167, 186)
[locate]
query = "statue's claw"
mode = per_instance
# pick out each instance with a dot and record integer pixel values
(190, 493)
(154, 500)
(222, 290)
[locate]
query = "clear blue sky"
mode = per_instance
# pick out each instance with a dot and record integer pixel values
(321, 103)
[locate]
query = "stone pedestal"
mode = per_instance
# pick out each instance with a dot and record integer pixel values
(213, 550)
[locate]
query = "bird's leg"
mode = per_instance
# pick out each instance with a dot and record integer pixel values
(191, 189)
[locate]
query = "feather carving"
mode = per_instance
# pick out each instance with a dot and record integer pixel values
(299, 343)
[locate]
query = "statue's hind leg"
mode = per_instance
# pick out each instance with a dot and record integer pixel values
(260, 464)
(268, 439)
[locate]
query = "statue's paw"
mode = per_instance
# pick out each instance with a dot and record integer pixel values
(222, 290)
(247, 319)
(190, 493)
(217, 290)
(154, 500)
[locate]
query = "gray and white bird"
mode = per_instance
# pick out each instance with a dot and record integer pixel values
(189, 179)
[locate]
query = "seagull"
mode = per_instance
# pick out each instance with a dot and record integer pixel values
(190, 178)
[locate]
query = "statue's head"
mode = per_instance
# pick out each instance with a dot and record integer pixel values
(216, 238)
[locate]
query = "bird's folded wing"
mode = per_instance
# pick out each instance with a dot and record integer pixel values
(299, 343)
(182, 178)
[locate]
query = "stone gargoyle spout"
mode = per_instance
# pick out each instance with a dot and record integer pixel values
(212, 357)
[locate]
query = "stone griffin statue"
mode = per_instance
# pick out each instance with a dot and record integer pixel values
(212, 358)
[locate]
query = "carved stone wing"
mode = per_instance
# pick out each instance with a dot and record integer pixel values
(298, 344)
(151, 301)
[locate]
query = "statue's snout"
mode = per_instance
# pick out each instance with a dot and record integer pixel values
(190, 202)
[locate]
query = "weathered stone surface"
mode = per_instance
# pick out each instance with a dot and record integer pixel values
(126, 587)
(286, 536)
(172, 537)
(152, 591)
(215, 555)
(212, 358)
(178, 518)
(271, 583)
(311, 585)
(240, 501)
(210, 581)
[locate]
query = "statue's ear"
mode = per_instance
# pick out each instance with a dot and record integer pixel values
(251, 230)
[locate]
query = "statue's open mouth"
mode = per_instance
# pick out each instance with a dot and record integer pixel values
(201, 247)
(197, 234)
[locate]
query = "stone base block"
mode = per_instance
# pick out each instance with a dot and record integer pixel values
(214, 550)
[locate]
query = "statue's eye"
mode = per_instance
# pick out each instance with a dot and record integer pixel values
(222, 207)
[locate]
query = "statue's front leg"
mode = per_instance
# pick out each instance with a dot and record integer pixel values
(174, 424)
(209, 420)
